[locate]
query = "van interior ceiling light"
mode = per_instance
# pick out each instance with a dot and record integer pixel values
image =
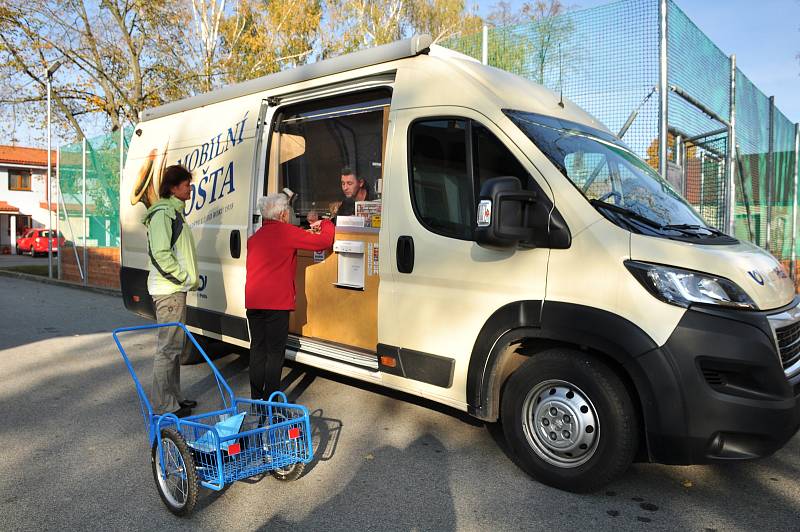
(685, 287)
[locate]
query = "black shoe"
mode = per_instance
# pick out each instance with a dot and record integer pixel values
(183, 411)
(188, 403)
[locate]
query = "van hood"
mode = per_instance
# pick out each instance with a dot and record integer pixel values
(756, 272)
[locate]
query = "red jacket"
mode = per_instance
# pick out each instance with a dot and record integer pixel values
(272, 262)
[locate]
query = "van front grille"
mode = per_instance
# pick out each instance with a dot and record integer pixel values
(788, 338)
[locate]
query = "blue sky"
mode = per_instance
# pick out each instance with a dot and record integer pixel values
(764, 35)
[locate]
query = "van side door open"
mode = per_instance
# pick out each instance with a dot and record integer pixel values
(311, 144)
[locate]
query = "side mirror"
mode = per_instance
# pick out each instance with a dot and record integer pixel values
(505, 213)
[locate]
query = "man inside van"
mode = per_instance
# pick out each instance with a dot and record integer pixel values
(353, 189)
(173, 272)
(269, 293)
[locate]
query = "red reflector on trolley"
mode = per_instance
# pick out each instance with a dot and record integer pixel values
(233, 449)
(294, 433)
(135, 299)
(389, 362)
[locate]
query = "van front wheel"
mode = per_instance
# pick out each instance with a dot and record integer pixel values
(569, 420)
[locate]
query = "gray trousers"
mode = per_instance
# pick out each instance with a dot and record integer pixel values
(167, 361)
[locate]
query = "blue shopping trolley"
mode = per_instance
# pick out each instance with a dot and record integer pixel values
(246, 438)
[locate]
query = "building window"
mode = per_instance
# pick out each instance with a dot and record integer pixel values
(19, 180)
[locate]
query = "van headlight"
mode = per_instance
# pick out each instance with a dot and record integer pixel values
(684, 287)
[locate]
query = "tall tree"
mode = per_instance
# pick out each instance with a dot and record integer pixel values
(356, 24)
(265, 36)
(442, 19)
(119, 57)
(551, 30)
(530, 40)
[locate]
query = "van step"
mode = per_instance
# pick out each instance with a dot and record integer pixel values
(360, 358)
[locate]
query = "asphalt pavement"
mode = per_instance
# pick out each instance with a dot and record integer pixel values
(8, 261)
(74, 455)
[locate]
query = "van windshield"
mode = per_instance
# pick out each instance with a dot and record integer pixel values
(614, 180)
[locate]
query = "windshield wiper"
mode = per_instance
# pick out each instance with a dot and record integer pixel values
(686, 229)
(627, 212)
(694, 227)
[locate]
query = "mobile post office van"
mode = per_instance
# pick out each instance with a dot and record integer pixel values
(514, 260)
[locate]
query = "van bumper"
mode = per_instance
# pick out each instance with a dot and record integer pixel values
(719, 390)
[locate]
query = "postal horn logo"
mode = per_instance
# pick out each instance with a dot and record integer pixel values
(145, 189)
(757, 277)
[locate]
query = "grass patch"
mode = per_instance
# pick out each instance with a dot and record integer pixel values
(34, 269)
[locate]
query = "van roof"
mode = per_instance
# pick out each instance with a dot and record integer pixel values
(372, 56)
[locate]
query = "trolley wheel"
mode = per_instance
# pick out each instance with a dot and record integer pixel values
(176, 478)
(288, 473)
(569, 420)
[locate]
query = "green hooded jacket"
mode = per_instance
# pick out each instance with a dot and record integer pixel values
(173, 259)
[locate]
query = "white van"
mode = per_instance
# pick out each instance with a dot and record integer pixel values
(516, 261)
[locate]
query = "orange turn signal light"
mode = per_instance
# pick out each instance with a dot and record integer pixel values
(388, 361)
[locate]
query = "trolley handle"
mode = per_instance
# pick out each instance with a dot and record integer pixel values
(221, 382)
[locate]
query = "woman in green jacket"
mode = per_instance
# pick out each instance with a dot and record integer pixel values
(173, 272)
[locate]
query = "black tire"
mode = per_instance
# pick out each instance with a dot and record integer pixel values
(569, 420)
(181, 500)
(190, 355)
(289, 473)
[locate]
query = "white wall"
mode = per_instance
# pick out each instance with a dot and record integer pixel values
(27, 202)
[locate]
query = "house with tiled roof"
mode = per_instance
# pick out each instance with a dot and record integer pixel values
(23, 193)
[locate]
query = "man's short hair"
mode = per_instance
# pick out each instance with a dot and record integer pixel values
(347, 171)
(272, 206)
(173, 176)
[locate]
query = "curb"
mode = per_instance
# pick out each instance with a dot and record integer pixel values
(46, 280)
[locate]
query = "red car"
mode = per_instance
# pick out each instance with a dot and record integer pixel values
(34, 241)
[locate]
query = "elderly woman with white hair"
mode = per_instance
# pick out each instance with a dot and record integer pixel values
(269, 288)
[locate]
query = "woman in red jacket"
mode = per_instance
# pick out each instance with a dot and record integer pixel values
(269, 288)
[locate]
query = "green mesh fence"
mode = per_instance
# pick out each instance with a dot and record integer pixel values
(89, 192)
(782, 194)
(752, 148)
(606, 59)
(698, 69)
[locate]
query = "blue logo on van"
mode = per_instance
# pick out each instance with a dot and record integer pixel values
(203, 283)
(756, 277)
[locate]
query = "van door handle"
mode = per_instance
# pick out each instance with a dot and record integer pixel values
(236, 244)
(405, 254)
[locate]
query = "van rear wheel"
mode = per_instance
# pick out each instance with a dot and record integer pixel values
(190, 354)
(569, 420)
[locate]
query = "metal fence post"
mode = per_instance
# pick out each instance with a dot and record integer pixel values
(83, 218)
(485, 45)
(730, 197)
(121, 167)
(794, 201)
(58, 210)
(663, 115)
(702, 181)
(770, 171)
